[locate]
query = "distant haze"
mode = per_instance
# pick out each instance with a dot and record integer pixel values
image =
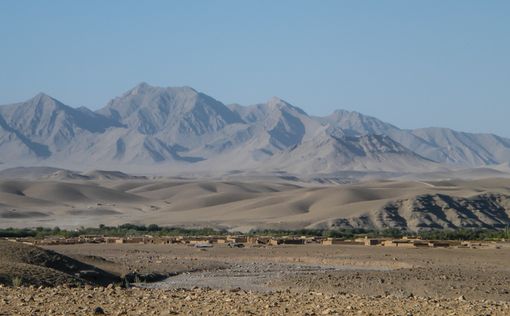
(179, 130)
(412, 64)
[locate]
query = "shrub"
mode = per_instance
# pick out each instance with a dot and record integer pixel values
(17, 281)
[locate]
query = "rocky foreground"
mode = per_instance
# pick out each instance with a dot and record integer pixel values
(112, 300)
(280, 280)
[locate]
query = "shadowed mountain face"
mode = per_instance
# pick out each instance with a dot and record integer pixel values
(43, 116)
(14, 144)
(438, 144)
(181, 111)
(180, 129)
(437, 211)
(44, 125)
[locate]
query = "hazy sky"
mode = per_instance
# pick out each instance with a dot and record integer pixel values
(411, 63)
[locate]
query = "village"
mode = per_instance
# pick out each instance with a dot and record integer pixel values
(240, 241)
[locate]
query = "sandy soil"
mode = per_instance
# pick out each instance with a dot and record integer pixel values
(70, 203)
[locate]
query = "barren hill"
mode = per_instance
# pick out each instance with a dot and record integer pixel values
(35, 266)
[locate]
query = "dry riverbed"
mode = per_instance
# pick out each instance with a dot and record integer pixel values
(438, 273)
(302, 280)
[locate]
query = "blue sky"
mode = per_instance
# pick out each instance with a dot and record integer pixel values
(411, 63)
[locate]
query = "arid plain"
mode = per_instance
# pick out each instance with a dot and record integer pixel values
(274, 280)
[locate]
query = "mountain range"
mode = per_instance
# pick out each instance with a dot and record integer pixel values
(178, 129)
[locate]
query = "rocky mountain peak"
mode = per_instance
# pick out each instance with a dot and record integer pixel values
(167, 125)
(276, 103)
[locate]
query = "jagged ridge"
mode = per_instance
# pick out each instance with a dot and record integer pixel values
(184, 129)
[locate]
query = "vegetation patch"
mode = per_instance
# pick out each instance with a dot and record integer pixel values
(342, 233)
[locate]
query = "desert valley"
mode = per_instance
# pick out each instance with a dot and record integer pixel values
(176, 158)
(288, 157)
(183, 158)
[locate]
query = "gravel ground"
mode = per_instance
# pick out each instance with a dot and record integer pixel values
(280, 280)
(135, 301)
(477, 274)
(255, 276)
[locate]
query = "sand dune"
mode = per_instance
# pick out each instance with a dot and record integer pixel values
(65, 192)
(246, 205)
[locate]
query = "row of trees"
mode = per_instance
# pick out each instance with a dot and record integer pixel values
(344, 233)
(117, 231)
